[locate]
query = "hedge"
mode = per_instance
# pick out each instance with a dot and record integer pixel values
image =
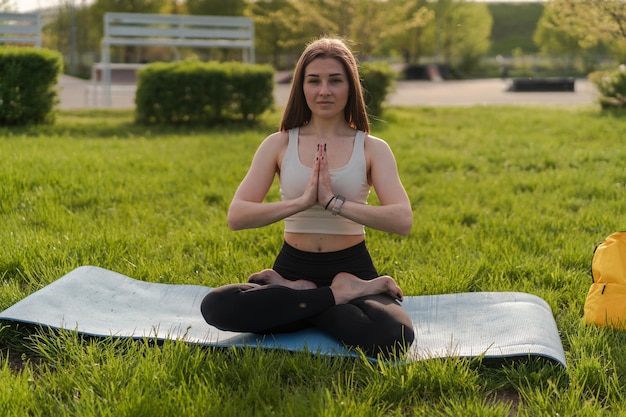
(377, 80)
(206, 93)
(611, 86)
(28, 79)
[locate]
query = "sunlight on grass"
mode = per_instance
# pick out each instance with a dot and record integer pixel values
(504, 199)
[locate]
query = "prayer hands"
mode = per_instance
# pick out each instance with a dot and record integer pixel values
(318, 189)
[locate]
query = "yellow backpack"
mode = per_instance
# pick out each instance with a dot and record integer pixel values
(606, 300)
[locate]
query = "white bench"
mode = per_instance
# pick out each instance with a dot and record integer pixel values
(177, 31)
(21, 28)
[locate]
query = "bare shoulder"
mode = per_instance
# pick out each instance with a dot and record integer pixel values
(375, 146)
(277, 139)
(275, 143)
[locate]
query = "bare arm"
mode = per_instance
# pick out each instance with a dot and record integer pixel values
(247, 209)
(394, 214)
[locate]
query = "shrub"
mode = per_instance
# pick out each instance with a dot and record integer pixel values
(377, 80)
(28, 79)
(206, 93)
(611, 86)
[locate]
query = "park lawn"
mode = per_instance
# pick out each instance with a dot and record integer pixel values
(504, 199)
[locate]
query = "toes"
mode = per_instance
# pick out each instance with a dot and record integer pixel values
(258, 278)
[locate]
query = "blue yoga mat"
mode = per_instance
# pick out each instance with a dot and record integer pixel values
(98, 302)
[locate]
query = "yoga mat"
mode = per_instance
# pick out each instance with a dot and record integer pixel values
(98, 302)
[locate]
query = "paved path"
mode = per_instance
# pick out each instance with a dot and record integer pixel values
(75, 93)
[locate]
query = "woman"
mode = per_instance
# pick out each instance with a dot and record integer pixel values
(326, 163)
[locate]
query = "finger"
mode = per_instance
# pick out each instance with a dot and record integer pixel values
(324, 187)
(316, 168)
(320, 151)
(323, 158)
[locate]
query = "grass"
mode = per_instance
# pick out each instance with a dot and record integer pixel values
(505, 199)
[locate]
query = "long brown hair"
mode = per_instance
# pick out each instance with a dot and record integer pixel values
(297, 113)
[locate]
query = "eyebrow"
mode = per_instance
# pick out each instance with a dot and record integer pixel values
(335, 74)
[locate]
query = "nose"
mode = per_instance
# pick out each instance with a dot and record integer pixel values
(324, 89)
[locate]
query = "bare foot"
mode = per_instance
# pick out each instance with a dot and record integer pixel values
(346, 287)
(271, 277)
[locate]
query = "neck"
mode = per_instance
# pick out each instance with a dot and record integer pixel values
(328, 128)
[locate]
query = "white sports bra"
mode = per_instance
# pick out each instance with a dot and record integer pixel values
(349, 181)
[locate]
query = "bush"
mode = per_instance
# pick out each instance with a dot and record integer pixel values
(205, 93)
(611, 86)
(28, 79)
(377, 80)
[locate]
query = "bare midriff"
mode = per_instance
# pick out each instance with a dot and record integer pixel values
(318, 242)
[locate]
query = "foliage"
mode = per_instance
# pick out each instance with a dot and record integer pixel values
(397, 28)
(7, 5)
(28, 78)
(410, 28)
(456, 32)
(463, 30)
(551, 38)
(72, 34)
(408, 33)
(277, 33)
(302, 21)
(591, 23)
(555, 39)
(216, 7)
(612, 87)
(377, 80)
(513, 26)
(128, 6)
(505, 199)
(207, 93)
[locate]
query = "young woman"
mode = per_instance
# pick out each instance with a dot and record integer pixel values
(326, 162)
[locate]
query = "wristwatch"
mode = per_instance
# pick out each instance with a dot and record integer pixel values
(339, 200)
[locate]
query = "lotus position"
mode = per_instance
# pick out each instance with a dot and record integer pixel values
(327, 163)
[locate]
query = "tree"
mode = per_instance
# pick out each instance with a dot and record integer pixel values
(70, 33)
(284, 27)
(553, 40)
(409, 30)
(371, 24)
(376, 23)
(463, 30)
(174, 7)
(273, 29)
(590, 22)
(216, 7)
(6, 5)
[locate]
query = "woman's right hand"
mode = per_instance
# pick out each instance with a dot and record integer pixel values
(310, 194)
(324, 189)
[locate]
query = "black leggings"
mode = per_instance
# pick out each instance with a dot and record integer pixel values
(376, 324)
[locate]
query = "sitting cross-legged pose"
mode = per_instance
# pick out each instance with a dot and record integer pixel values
(326, 162)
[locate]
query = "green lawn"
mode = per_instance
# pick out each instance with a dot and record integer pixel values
(504, 199)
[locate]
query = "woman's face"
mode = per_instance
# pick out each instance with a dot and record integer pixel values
(326, 87)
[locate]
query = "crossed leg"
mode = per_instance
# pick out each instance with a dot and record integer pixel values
(376, 324)
(361, 314)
